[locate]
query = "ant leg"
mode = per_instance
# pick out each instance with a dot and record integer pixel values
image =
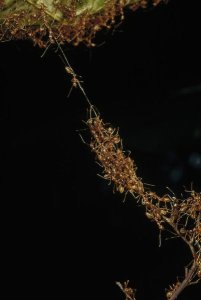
(69, 93)
(124, 200)
(82, 139)
(46, 49)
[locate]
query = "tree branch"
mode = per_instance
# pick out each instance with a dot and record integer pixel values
(186, 282)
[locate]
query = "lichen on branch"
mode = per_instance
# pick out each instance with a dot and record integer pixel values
(71, 21)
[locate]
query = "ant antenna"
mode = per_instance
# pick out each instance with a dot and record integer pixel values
(170, 190)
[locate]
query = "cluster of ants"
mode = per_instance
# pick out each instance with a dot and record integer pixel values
(128, 291)
(117, 167)
(183, 216)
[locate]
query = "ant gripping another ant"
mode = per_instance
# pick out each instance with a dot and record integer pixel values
(69, 70)
(74, 80)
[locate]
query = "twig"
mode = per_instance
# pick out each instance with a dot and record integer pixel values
(186, 282)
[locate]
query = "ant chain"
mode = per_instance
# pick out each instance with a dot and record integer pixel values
(75, 81)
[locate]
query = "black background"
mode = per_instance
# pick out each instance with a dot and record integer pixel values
(145, 78)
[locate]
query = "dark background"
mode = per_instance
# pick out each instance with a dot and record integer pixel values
(145, 78)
